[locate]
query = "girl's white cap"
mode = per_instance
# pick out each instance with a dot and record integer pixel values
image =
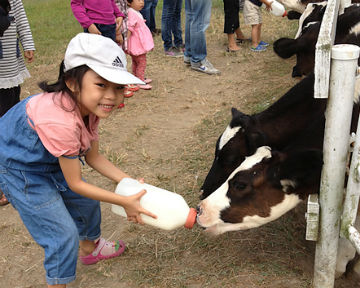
(102, 55)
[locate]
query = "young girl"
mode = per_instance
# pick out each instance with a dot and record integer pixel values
(140, 41)
(41, 141)
(98, 17)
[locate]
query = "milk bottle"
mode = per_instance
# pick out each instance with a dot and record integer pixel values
(170, 208)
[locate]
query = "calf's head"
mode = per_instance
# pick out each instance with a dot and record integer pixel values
(240, 139)
(263, 188)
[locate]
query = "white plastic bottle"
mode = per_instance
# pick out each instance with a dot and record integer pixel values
(170, 208)
(277, 9)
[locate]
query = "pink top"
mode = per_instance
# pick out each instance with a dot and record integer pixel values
(140, 40)
(88, 12)
(62, 131)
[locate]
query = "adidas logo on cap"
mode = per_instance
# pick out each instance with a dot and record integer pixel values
(117, 62)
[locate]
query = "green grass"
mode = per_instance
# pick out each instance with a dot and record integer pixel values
(52, 25)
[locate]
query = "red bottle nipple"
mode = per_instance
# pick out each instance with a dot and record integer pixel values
(191, 219)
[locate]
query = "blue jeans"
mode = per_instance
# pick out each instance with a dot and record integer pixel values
(197, 20)
(171, 23)
(148, 13)
(56, 217)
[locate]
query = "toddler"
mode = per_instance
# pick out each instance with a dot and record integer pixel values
(140, 41)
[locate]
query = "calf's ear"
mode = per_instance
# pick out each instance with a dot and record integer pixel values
(297, 169)
(239, 119)
(285, 47)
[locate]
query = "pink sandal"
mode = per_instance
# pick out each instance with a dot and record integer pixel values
(104, 250)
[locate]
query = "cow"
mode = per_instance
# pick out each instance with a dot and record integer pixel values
(275, 127)
(347, 31)
(269, 183)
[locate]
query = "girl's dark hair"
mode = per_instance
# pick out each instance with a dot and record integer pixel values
(76, 73)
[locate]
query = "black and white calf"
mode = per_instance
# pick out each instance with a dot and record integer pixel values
(277, 126)
(264, 187)
(347, 32)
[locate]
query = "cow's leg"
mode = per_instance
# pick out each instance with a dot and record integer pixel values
(346, 252)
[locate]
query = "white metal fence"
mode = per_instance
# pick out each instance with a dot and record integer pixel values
(335, 70)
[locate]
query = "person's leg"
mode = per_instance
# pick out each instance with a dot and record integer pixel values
(141, 72)
(177, 32)
(8, 98)
(153, 16)
(46, 217)
(134, 64)
(231, 22)
(145, 12)
(188, 19)
(201, 11)
(166, 23)
(255, 37)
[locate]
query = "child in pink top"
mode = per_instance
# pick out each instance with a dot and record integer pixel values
(42, 139)
(140, 41)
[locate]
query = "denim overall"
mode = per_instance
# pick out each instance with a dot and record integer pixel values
(31, 179)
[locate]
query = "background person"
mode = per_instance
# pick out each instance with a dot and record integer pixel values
(197, 20)
(140, 41)
(232, 25)
(171, 28)
(13, 71)
(148, 12)
(104, 19)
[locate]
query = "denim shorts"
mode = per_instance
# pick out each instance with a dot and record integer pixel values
(56, 217)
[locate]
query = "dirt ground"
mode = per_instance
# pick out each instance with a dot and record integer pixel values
(167, 135)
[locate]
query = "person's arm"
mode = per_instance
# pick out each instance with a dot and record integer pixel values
(106, 168)
(267, 4)
(23, 30)
(72, 172)
(80, 14)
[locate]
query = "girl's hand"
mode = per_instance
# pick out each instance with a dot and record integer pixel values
(93, 29)
(29, 55)
(133, 208)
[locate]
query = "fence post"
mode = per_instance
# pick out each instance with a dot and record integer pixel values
(336, 146)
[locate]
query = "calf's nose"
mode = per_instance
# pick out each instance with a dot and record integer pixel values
(198, 210)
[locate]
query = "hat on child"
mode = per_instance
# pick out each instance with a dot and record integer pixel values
(102, 55)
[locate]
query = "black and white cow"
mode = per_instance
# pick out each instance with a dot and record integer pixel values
(347, 32)
(264, 187)
(276, 127)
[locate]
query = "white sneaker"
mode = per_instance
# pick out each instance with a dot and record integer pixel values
(205, 66)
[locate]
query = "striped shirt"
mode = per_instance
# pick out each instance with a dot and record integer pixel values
(12, 65)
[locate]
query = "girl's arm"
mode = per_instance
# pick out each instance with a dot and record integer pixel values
(72, 172)
(98, 162)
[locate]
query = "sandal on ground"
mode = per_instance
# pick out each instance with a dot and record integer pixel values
(104, 250)
(132, 87)
(3, 200)
(128, 93)
(147, 80)
(145, 87)
(231, 50)
(242, 40)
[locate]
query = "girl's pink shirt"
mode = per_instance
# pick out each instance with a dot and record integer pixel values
(140, 41)
(62, 131)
